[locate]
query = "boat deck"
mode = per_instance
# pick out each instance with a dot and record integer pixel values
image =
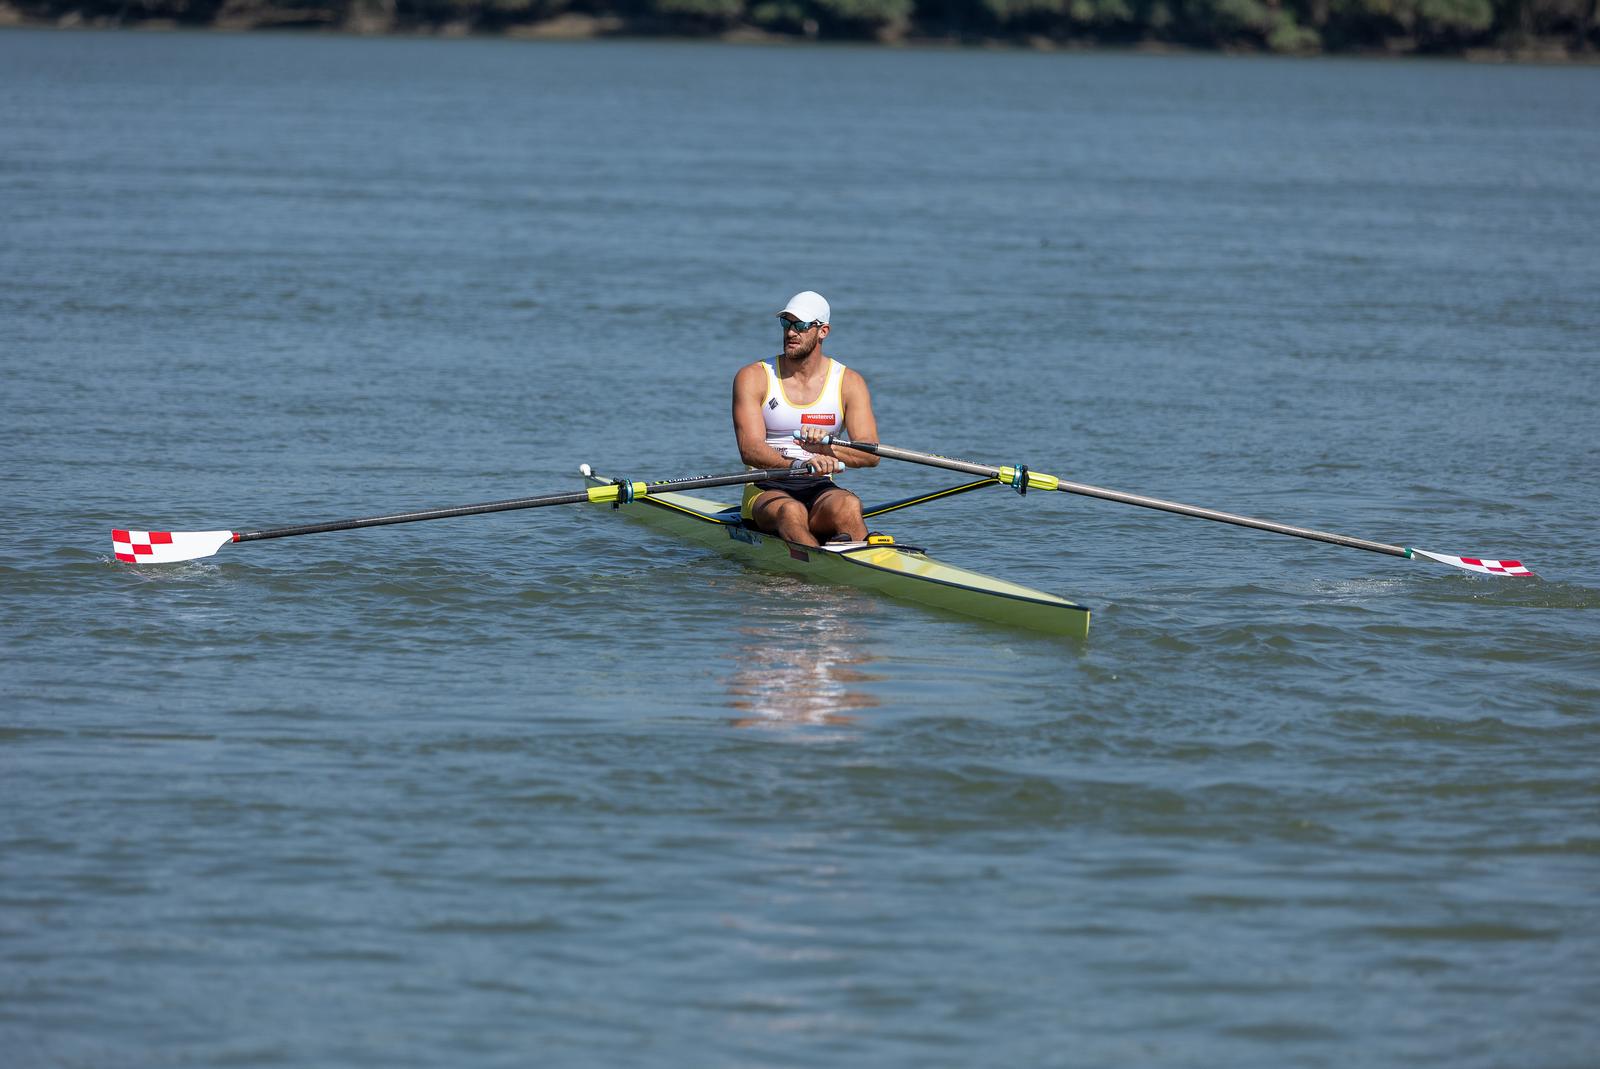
(905, 572)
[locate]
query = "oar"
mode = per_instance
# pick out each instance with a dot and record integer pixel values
(168, 547)
(1023, 480)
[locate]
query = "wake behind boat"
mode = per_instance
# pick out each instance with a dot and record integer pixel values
(905, 572)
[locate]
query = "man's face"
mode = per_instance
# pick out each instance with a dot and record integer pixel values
(799, 344)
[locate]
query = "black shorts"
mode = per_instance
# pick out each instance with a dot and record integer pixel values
(805, 490)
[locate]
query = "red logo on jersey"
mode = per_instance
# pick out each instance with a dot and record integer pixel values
(819, 419)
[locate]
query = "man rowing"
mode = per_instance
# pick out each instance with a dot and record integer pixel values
(803, 391)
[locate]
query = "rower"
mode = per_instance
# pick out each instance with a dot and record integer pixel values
(803, 393)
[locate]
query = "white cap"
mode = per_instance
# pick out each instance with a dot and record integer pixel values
(807, 307)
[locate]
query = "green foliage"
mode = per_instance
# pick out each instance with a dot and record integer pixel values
(509, 9)
(725, 10)
(1080, 13)
(1287, 35)
(1099, 12)
(780, 13)
(866, 11)
(1559, 16)
(1462, 20)
(1454, 16)
(1288, 26)
(1002, 11)
(1238, 18)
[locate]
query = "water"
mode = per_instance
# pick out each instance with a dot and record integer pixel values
(546, 787)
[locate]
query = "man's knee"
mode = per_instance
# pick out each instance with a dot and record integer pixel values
(841, 506)
(784, 510)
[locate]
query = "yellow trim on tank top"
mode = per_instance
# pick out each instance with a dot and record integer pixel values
(775, 374)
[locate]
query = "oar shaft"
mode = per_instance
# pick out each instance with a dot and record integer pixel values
(599, 494)
(413, 517)
(1229, 517)
(1041, 481)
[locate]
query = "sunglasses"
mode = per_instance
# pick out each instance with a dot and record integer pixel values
(797, 326)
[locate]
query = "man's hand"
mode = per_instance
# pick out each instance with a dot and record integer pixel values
(810, 439)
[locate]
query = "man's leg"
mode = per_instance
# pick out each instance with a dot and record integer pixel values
(838, 511)
(780, 514)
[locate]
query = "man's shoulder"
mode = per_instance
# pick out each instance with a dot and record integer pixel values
(751, 377)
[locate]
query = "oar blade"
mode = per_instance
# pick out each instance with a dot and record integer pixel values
(166, 547)
(1481, 565)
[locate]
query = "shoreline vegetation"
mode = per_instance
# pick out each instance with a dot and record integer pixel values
(1490, 30)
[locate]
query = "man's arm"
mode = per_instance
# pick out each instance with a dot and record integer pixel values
(859, 422)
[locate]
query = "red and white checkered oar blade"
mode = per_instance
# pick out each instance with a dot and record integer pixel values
(166, 547)
(1481, 565)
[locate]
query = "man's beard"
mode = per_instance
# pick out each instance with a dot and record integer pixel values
(805, 350)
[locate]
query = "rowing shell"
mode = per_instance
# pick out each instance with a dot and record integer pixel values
(905, 572)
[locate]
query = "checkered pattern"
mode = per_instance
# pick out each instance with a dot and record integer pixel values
(1479, 564)
(166, 547)
(1494, 567)
(131, 545)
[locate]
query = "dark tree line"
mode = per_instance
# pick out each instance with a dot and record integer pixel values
(1549, 27)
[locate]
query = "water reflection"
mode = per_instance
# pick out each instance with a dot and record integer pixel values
(806, 667)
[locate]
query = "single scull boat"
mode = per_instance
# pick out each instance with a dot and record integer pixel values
(905, 572)
(878, 564)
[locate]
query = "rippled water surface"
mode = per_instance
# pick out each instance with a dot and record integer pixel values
(551, 788)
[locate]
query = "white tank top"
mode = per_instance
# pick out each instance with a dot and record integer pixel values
(784, 418)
